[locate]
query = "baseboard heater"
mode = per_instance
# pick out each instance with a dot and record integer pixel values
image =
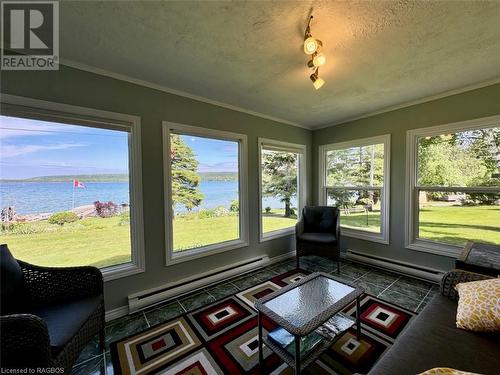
(151, 297)
(423, 273)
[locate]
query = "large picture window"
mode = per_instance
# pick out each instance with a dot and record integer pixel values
(354, 176)
(454, 186)
(68, 187)
(282, 187)
(205, 181)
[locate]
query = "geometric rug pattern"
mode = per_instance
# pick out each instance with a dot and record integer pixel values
(222, 338)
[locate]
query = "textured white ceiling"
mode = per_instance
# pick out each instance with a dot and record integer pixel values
(249, 54)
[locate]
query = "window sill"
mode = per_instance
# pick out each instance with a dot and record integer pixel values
(269, 236)
(188, 255)
(435, 248)
(120, 270)
(363, 235)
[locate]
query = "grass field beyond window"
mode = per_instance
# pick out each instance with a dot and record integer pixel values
(450, 224)
(102, 242)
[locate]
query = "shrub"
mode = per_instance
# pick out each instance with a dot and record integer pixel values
(482, 198)
(20, 228)
(268, 210)
(63, 217)
(235, 206)
(205, 214)
(105, 209)
(221, 211)
(216, 212)
(124, 219)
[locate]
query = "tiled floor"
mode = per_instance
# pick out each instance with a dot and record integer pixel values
(404, 291)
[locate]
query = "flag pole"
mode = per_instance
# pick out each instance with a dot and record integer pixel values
(73, 201)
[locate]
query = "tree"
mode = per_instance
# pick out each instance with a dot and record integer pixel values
(279, 177)
(185, 177)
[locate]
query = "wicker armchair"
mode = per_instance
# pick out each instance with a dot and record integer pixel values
(62, 310)
(454, 277)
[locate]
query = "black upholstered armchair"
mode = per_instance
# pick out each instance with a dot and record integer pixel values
(318, 233)
(48, 315)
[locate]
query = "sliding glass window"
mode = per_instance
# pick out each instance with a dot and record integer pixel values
(355, 178)
(282, 187)
(205, 191)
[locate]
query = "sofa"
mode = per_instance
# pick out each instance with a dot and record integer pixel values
(433, 340)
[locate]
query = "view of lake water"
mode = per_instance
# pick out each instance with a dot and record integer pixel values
(44, 197)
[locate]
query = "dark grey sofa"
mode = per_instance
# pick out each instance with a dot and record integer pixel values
(433, 340)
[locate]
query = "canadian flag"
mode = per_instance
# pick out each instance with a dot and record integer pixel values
(78, 184)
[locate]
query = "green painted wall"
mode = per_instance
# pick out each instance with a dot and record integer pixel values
(76, 87)
(469, 105)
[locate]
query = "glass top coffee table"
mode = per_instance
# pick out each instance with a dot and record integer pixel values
(311, 305)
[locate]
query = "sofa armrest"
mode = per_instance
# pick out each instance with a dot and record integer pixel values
(59, 284)
(24, 341)
(454, 277)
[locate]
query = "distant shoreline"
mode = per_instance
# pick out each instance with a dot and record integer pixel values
(101, 178)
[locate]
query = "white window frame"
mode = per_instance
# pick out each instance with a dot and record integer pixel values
(412, 189)
(383, 236)
(18, 106)
(301, 150)
(187, 255)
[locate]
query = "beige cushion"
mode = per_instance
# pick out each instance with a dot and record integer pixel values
(479, 305)
(446, 371)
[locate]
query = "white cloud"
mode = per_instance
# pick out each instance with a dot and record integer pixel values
(12, 127)
(9, 151)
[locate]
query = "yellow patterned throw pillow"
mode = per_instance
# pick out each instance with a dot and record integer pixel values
(446, 371)
(479, 305)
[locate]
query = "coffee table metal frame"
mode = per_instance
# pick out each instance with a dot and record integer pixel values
(296, 361)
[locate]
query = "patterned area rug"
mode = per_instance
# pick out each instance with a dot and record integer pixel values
(221, 338)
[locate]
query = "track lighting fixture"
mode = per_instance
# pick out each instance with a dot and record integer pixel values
(312, 47)
(318, 59)
(317, 80)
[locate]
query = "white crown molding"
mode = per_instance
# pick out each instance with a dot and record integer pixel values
(411, 103)
(140, 82)
(136, 81)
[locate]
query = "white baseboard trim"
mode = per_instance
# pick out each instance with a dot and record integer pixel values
(124, 310)
(116, 313)
(405, 268)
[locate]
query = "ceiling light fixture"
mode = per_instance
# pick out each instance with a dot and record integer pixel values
(313, 47)
(317, 80)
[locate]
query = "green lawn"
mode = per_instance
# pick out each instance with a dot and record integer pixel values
(190, 233)
(92, 241)
(274, 220)
(103, 242)
(448, 224)
(361, 220)
(457, 224)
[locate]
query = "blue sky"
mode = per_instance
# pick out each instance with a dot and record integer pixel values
(30, 148)
(214, 155)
